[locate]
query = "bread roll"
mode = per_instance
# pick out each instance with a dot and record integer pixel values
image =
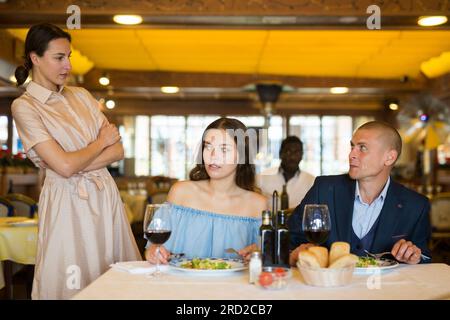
(338, 249)
(308, 259)
(321, 254)
(344, 261)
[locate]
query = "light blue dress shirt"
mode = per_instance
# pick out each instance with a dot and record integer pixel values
(364, 214)
(203, 234)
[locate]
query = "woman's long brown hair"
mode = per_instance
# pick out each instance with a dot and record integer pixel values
(245, 173)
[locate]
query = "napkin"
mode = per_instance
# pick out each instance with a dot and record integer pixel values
(137, 267)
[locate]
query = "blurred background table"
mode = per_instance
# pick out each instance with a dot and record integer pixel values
(136, 203)
(17, 245)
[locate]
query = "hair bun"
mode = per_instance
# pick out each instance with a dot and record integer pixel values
(21, 74)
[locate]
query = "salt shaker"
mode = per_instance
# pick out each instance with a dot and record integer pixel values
(255, 266)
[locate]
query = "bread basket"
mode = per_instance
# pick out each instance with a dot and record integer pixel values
(326, 277)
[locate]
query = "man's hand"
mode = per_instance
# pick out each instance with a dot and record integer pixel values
(406, 251)
(294, 254)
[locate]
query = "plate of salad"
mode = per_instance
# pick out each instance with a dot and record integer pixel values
(208, 266)
(367, 265)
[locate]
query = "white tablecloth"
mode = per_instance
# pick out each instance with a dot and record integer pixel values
(427, 281)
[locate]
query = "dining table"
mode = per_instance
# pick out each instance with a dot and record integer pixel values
(423, 281)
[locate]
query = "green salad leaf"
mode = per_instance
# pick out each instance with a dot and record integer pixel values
(206, 264)
(364, 262)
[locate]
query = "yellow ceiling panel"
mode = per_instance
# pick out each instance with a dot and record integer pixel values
(372, 54)
(437, 66)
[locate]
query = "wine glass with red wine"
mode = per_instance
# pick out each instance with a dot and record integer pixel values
(157, 227)
(316, 223)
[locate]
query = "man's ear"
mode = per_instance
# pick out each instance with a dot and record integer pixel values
(391, 157)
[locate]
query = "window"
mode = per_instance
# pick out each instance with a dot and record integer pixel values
(307, 128)
(4, 132)
(168, 145)
(196, 125)
(326, 142)
(142, 146)
(16, 141)
(168, 151)
(336, 136)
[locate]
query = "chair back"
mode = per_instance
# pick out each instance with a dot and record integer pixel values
(440, 212)
(24, 206)
(6, 208)
(158, 197)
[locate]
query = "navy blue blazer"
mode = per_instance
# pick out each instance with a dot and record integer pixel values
(405, 214)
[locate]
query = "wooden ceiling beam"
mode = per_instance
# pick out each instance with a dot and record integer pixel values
(265, 14)
(231, 8)
(229, 107)
(144, 79)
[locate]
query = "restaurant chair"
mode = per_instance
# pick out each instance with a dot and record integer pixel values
(6, 208)
(158, 197)
(24, 206)
(440, 219)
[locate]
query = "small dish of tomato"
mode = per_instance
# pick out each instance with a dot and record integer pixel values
(274, 278)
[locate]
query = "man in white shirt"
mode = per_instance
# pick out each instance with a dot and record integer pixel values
(288, 173)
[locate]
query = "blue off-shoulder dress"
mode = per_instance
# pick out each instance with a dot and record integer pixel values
(204, 234)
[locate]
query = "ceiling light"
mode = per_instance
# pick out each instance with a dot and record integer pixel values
(104, 80)
(128, 19)
(110, 104)
(348, 19)
(339, 90)
(170, 89)
(393, 106)
(430, 21)
(12, 78)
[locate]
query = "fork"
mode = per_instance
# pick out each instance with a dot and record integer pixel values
(379, 255)
(231, 250)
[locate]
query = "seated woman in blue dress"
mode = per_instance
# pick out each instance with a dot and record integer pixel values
(218, 208)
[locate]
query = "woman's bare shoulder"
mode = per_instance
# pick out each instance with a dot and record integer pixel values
(181, 191)
(257, 202)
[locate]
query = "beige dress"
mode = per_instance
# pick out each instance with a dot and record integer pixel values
(82, 222)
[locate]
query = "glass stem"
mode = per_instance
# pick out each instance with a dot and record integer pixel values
(157, 259)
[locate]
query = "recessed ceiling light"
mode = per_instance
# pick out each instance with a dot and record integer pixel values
(103, 80)
(110, 104)
(339, 90)
(393, 106)
(128, 19)
(170, 89)
(430, 21)
(348, 19)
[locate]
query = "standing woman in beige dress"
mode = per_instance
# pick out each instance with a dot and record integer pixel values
(82, 223)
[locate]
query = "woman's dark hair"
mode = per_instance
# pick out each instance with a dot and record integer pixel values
(37, 41)
(245, 172)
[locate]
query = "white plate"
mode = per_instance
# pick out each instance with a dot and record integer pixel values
(24, 223)
(236, 265)
(383, 264)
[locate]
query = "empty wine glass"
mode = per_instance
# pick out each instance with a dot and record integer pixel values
(316, 223)
(157, 227)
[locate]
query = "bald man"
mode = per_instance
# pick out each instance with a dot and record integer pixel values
(368, 209)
